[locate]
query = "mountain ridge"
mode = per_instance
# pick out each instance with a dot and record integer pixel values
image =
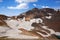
(45, 21)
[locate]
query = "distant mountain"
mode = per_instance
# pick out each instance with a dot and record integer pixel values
(3, 17)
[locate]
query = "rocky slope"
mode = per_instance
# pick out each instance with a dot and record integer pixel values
(35, 23)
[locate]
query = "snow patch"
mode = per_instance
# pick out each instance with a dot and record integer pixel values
(3, 30)
(48, 34)
(48, 17)
(57, 33)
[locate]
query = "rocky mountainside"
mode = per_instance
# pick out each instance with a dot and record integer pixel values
(49, 16)
(35, 23)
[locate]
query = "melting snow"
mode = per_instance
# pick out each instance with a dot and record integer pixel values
(15, 25)
(57, 33)
(3, 30)
(48, 17)
(48, 34)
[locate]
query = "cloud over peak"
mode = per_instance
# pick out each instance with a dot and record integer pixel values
(25, 1)
(20, 6)
(45, 6)
(34, 5)
(23, 4)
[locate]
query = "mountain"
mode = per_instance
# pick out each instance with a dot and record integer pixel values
(49, 16)
(36, 23)
(38, 13)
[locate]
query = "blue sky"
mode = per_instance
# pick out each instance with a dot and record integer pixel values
(15, 7)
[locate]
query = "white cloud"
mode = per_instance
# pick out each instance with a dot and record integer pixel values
(23, 4)
(45, 6)
(1, 0)
(35, 5)
(25, 1)
(20, 6)
(57, 1)
(56, 7)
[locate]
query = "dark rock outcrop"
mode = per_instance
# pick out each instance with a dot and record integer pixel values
(4, 24)
(54, 22)
(3, 17)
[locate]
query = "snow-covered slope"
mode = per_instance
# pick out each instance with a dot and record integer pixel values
(21, 23)
(17, 24)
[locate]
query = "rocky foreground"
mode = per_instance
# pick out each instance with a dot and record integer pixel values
(35, 24)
